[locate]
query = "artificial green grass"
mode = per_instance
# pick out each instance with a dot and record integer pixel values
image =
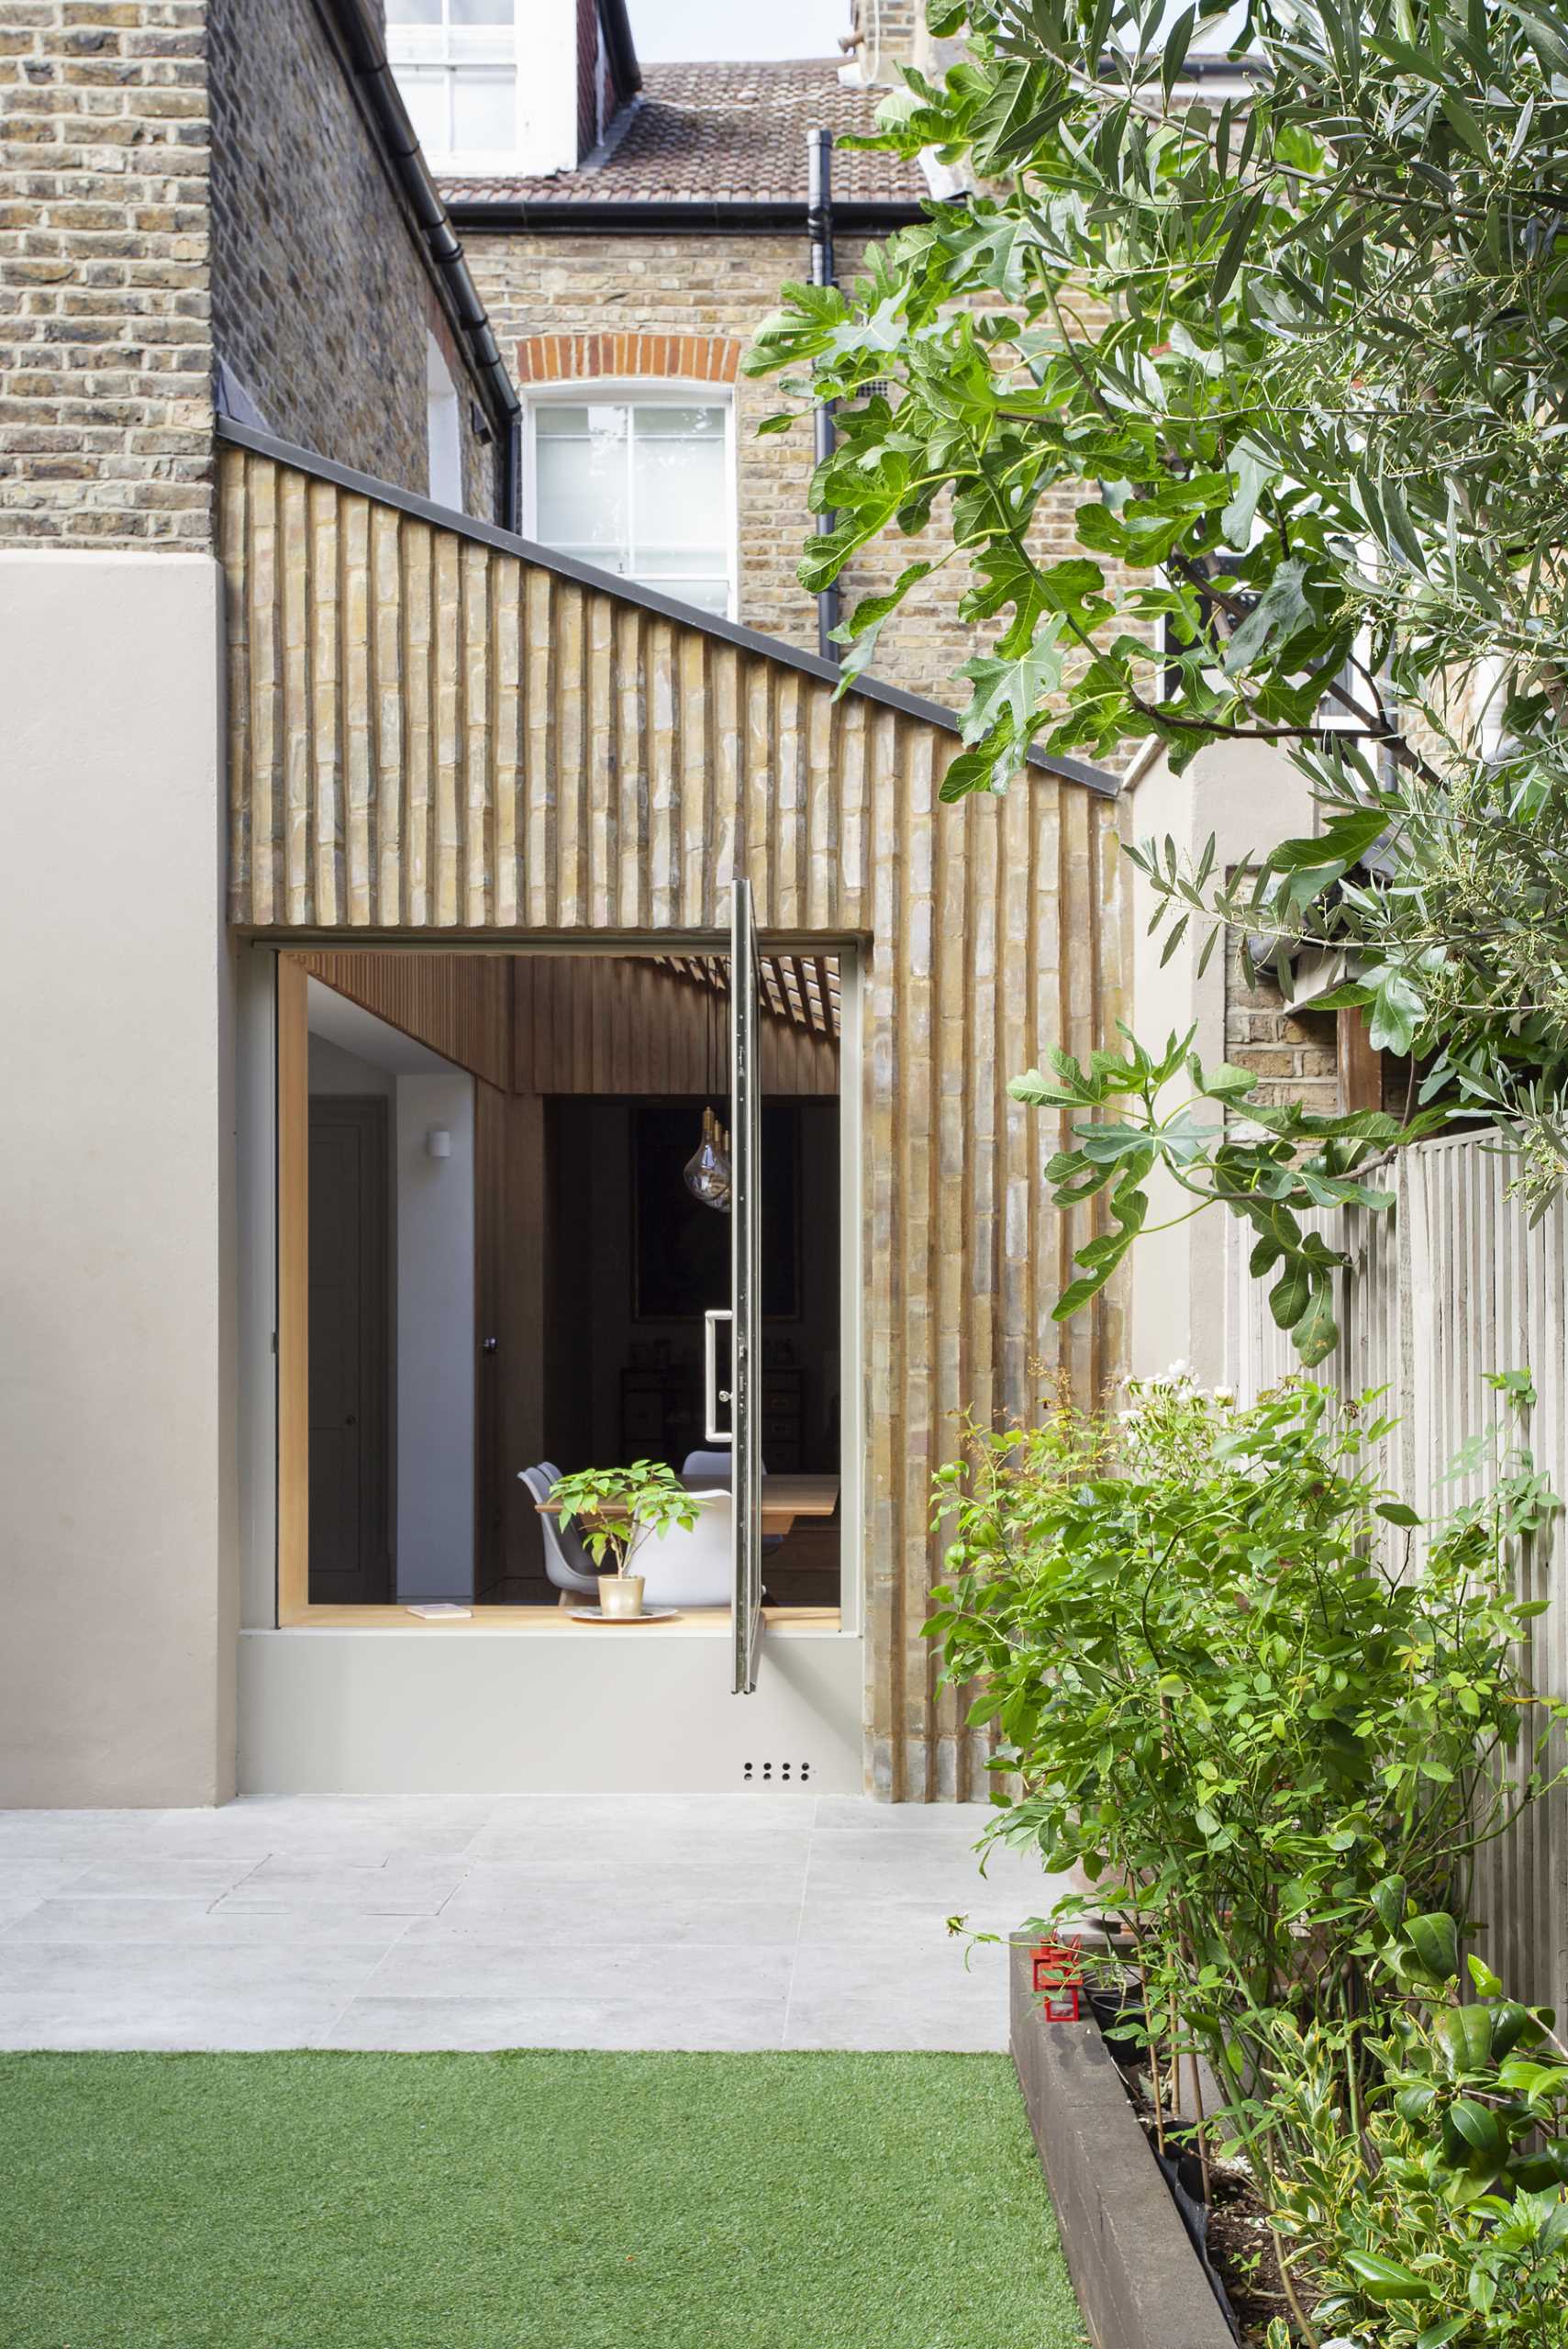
(524, 2201)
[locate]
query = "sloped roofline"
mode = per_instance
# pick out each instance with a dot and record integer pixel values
(648, 599)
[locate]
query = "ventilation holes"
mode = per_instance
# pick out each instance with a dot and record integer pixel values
(764, 1772)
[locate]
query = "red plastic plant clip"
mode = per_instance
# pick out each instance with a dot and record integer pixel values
(1058, 1975)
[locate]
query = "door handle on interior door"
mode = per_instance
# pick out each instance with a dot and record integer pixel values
(711, 1395)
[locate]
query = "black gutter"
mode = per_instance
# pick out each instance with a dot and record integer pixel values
(819, 229)
(712, 216)
(625, 73)
(646, 599)
(361, 38)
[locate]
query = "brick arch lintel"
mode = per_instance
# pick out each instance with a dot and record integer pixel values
(677, 358)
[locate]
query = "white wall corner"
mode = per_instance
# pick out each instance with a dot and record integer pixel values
(1250, 797)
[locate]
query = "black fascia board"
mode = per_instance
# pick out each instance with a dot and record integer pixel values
(706, 216)
(627, 591)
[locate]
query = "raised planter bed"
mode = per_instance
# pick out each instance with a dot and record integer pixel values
(1140, 2282)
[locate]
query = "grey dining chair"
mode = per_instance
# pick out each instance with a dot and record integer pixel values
(718, 1468)
(566, 1561)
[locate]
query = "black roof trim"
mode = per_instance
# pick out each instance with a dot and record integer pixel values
(358, 35)
(648, 599)
(705, 216)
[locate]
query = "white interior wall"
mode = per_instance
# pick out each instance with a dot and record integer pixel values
(436, 1339)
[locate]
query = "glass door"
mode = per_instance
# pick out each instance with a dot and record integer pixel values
(746, 1290)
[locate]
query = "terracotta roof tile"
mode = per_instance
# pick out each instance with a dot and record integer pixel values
(708, 133)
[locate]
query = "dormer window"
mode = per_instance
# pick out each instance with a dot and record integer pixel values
(457, 65)
(641, 484)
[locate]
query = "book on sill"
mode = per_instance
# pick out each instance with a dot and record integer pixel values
(442, 1610)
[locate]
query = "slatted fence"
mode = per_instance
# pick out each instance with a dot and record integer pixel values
(1454, 1284)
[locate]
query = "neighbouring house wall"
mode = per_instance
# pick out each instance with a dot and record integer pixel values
(1248, 798)
(117, 1342)
(436, 1340)
(712, 285)
(322, 293)
(105, 352)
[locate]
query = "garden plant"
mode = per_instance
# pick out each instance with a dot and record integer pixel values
(1273, 1717)
(1299, 353)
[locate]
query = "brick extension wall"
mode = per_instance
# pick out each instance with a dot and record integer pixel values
(105, 344)
(321, 294)
(1294, 1053)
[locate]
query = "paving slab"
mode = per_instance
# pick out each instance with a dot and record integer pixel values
(718, 1921)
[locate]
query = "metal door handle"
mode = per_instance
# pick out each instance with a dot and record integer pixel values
(711, 1395)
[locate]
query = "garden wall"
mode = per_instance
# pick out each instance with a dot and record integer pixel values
(1454, 1284)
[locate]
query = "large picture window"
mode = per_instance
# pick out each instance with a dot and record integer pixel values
(640, 487)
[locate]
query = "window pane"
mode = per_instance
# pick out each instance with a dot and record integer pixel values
(679, 494)
(554, 423)
(580, 477)
(681, 423)
(678, 562)
(413, 12)
(484, 111)
(425, 95)
(482, 12)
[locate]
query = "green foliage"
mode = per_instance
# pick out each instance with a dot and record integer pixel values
(1302, 361)
(1264, 1708)
(620, 1506)
(1428, 2209)
(1269, 1168)
(1229, 1699)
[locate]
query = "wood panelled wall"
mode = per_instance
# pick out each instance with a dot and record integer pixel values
(572, 1023)
(429, 734)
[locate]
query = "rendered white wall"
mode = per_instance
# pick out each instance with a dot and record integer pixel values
(456, 1708)
(1250, 797)
(116, 1259)
(436, 1339)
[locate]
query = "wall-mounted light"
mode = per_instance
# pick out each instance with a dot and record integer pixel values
(439, 1143)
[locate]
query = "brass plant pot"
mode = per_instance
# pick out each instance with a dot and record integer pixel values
(621, 1594)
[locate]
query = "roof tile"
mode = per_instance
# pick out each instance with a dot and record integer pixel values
(706, 133)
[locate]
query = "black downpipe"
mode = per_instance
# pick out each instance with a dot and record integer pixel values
(819, 229)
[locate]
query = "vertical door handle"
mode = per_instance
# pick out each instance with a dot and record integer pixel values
(711, 1395)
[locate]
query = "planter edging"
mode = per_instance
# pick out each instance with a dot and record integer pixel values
(1139, 2280)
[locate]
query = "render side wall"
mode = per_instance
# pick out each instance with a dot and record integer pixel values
(105, 344)
(322, 296)
(117, 1341)
(1250, 797)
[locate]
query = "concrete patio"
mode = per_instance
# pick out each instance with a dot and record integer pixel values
(639, 1921)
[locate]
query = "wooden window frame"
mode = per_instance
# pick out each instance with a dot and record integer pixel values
(295, 1609)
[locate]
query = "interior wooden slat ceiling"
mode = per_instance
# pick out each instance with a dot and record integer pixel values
(430, 735)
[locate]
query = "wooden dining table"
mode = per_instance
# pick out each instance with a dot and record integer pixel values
(784, 1499)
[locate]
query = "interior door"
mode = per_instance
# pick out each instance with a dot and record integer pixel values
(349, 1231)
(746, 1290)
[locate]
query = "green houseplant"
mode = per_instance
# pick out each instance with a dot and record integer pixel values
(619, 1507)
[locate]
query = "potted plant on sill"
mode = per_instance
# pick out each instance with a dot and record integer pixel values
(619, 1507)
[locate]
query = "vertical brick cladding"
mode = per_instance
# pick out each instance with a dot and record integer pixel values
(105, 345)
(561, 305)
(322, 296)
